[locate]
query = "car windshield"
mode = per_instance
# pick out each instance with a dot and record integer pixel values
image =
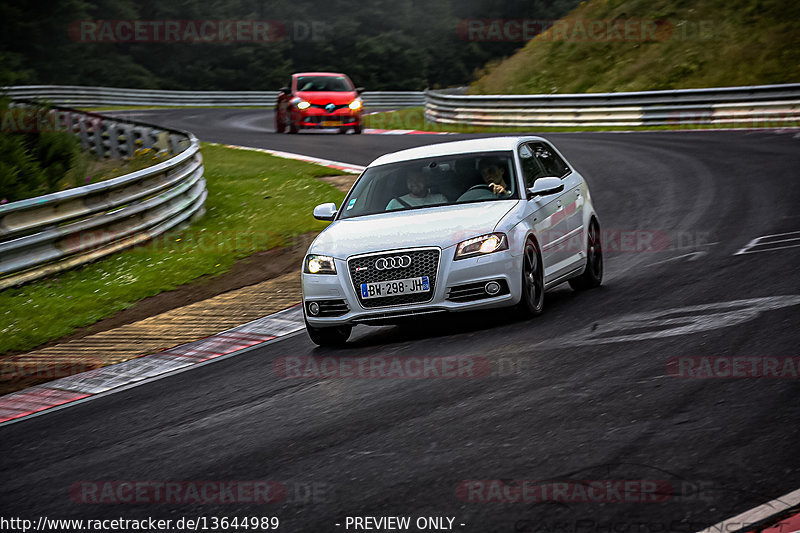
(336, 84)
(433, 182)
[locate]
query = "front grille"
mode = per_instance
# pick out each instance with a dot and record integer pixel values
(331, 307)
(424, 262)
(474, 291)
(338, 106)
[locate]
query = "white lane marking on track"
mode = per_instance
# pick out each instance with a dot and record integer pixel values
(375, 131)
(753, 247)
(346, 167)
(685, 321)
(692, 256)
(756, 515)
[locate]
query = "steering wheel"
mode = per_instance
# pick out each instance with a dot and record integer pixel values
(489, 188)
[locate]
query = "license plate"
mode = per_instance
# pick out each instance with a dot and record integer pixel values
(396, 287)
(330, 123)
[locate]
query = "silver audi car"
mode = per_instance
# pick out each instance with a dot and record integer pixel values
(457, 226)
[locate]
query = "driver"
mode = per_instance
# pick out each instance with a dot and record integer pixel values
(493, 174)
(419, 193)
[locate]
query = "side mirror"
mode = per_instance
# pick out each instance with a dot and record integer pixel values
(286, 90)
(545, 186)
(325, 211)
(359, 90)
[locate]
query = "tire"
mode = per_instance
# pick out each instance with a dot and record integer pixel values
(532, 301)
(342, 131)
(292, 126)
(357, 128)
(593, 274)
(280, 127)
(334, 337)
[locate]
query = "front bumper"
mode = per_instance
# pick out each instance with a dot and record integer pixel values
(340, 304)
(319, 118)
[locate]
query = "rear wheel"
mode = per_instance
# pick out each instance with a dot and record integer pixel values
(532, 301)
(332, 337)
(593, 275)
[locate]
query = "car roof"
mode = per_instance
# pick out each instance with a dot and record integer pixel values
(483, 144)
(318, 74)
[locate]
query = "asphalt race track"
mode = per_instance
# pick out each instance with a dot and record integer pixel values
(583, 393)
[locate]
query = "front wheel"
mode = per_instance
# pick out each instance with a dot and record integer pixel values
(593, 274)
(357, 128)
(280, 126)
(532, 301)
(335, 337)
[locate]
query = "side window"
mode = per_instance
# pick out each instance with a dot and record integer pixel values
(531, 167)
(552, 164)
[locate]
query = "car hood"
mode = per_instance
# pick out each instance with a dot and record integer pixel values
(434, 226)
(325, 97)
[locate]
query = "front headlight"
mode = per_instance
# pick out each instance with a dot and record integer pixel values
(485, 244)
(302, 104)
(355, 105)
(319, 264)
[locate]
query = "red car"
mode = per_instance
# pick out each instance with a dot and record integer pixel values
(319, 100)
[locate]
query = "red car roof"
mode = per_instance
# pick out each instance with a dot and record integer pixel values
(319, 74)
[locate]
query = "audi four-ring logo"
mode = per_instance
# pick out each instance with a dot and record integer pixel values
(398, 261)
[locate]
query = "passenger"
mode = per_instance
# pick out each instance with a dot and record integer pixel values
(419, 193)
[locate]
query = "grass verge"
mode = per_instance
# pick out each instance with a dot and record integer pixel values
(255, 202)
(637, 45)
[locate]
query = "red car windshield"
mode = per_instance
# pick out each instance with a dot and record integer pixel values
(336, 84)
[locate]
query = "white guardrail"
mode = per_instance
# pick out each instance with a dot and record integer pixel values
(764, 105)
(43, 235)
(77, 96)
